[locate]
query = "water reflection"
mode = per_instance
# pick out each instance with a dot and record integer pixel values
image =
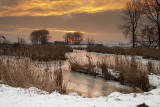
(89, 86)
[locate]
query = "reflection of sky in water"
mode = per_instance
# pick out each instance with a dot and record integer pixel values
(92, 87)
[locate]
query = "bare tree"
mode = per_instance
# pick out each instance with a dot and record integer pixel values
(90, 41)
(68, 37)
(131, 15)
(21, 40)
(78, 37)
(73, 38)
(148, 36)
(153, 14)
(40, 36)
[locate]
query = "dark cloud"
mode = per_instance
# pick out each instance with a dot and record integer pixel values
(98, 22)
(102, 26)
(56, 7)
(10, 2)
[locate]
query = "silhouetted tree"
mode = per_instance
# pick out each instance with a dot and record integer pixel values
(90, 41)
(73, 38)
(21, 40)
(148, 36)
(152, 8)
(68, 38)
(131, 14)
(40, 36)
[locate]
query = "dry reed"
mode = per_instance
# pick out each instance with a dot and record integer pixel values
(25, 73)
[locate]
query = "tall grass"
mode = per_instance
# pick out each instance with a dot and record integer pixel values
(87, 68)
(25, 73)
(130, 72)
(145, 52)
(36, 52)
(105, 72)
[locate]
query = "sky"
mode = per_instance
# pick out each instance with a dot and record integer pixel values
(96, 19)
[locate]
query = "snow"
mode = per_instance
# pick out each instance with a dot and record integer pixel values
(33, 97)
(154, 80)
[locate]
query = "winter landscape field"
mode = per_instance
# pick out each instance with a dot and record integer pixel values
(88, 79)
(79, 53)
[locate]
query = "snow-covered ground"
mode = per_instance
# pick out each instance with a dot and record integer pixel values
(33, 97)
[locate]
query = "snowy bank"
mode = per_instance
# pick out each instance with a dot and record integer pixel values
(32, 97)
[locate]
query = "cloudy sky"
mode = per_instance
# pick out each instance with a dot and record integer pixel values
(97, 19)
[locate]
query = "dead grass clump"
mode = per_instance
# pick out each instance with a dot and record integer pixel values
(37, 52)
(150, 67)
(130, 74)
(100, 69)
(127, 71)
(59, 80)
(21, 73)
(88, 68)
(107, 75)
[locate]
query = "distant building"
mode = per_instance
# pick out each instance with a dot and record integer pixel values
(50, 43)
(60, 43)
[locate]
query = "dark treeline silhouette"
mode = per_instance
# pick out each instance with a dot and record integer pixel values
(73, 38)
(21, 40)
(142, 22)
(40, 36)
(90, 41)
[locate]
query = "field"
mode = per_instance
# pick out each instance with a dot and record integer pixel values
(148, 53)
(55, 73)
(36, 52)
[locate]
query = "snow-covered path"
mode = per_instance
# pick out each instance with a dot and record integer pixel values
(32, 97)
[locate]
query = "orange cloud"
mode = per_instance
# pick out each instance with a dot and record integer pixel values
(50, 29)
(56, 7)
(19, 29)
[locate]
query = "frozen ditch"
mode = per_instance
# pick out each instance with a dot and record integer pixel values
(86, 85)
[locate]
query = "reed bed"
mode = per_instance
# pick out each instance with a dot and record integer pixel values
(23, 72)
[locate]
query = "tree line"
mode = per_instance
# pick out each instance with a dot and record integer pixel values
(42, 37)
(141, 22)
